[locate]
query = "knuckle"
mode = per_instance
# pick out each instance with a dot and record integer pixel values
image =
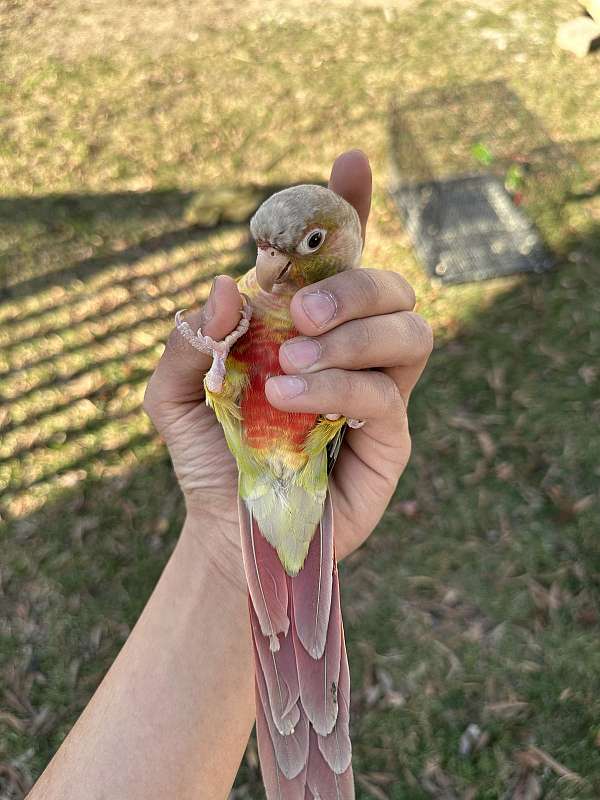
(406, 289)
(392, 401)
(361, 340)
(420, 334)
(345, 385)
(336, 386)
(175, 343)
(373, 288)
(366, 289)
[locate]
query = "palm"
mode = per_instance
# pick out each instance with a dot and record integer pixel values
(361, 484)
(204, 466)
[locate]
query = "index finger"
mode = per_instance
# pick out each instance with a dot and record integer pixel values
(353, 294)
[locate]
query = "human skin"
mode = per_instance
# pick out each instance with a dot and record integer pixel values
(173, 714)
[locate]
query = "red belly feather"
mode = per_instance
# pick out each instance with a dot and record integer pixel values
(265, 426)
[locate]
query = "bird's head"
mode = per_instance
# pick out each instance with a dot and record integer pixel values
(304, 234)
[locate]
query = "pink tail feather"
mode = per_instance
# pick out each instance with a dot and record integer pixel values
(335, 747)
(291, 751)
(318, 678)
(278, 670)
(322, 781)
(302, 676)
(266, 579)
(277, 786)
(311, 614)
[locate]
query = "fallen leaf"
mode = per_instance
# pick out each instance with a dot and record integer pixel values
(17, 784)
(584, 503)
(435, 781)
(462, 422)
(373, 790)
(486, 443)
(42, 721)
(96, 635)
(504, 471)
(567, 506)
(12, 721)
(371, 694)
(478, 474)
(252, 755)
(588, 615)
(535, 757)
(496, 378)
(380, 778)
(527, 787)
(506, 709)
(408, 508)
(588, 374)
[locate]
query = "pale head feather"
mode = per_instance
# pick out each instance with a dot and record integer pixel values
(283, 220)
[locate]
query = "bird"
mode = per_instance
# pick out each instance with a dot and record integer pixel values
(303, 234)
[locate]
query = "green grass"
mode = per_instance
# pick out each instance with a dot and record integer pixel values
(132, 149)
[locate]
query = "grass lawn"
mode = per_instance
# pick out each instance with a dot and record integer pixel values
(134, 143)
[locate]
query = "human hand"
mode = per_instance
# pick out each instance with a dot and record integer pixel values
(370, 354)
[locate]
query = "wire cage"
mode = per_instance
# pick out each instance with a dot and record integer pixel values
(479, 183)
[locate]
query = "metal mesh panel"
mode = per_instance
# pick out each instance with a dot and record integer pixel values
(473, 171)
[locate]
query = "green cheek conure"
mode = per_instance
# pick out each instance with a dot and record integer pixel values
(303, 234)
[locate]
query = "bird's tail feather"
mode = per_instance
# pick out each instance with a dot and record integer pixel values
(302, 676)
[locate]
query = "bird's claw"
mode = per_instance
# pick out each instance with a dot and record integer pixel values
(355, 423)
(351, 423)
(219, 351)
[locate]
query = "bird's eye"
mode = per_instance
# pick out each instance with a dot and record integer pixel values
(315, 240)
(312, 241)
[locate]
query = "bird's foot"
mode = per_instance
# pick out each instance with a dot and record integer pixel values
(218, 350)
(356, 423)
(351, 423)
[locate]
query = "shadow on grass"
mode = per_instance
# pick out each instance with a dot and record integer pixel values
(494, 502)
(58, 219)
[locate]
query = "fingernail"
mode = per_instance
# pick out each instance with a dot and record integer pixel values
(209, 308)
(319, 307)
(302, 353)
(286, 386)
(332, 417)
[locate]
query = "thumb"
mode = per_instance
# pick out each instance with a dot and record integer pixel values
(351, 178)
(179, 374)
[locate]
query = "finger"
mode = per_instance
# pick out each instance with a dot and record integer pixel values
(353, 294)
(179, 373)
(406, 378)
(360, 395)
(351, 178)
(387, 340)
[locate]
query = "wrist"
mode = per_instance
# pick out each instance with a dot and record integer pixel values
(214, 542)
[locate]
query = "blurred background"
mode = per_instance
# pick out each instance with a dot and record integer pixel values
(135, 142)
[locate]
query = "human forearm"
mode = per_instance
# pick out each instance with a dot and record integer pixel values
(173, 714)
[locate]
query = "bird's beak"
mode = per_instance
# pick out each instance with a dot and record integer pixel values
(271, 266)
